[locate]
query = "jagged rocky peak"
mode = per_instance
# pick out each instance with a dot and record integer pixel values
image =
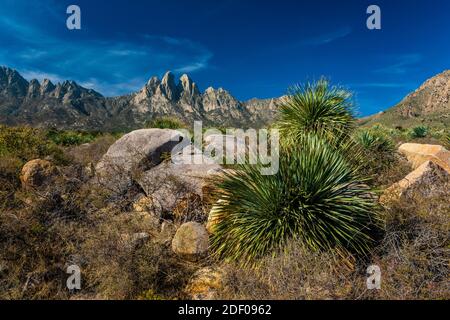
(168, 86)
(220, 92)
(187, 87)
(153, 83)
(219, 99)
(12, 83)
(34, 89)
(47, 86)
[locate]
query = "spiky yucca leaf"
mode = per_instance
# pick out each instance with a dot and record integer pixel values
(317, 196)
(316, 108)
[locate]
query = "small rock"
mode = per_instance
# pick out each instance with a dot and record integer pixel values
(205, 284)
(144, 204)
(140, 238)
(135, 240)
(191, 241)
(37, 173)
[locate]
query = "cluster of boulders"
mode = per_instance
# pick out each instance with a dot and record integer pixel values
(430, 177)
(174, 192)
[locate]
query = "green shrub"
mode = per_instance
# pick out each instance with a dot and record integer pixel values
(316, 108)
(165, 123)
(317, 196)
(71, 138)
(27, 143)
(419, 132)
(375, 141)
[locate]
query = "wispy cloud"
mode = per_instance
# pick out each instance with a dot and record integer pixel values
(327, 37)
(111, 67)
(402, 64)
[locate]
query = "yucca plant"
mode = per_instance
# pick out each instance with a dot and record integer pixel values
(419, 132)
(374, 141)
(317, 197)
(316, 108)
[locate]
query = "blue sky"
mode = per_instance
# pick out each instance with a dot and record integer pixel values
(252, 48)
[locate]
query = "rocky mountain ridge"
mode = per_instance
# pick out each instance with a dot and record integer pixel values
(68, 105)
(428, 105)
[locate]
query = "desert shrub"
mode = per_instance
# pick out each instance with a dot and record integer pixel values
(165, 123)
(315, 108)
(17, 146)
(27, 143)
(419, 132)
(36, 241)
(118, 269)
(316, 196)
(415, 250)
(9, 180)
(375, 141)
(447, 140)
(378, 150)
(71, 138)
(91, 153)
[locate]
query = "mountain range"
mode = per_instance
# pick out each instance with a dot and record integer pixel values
(68, 105)
(429, 105)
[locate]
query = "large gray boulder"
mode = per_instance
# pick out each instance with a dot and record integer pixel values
(169, 182)
(132, 155)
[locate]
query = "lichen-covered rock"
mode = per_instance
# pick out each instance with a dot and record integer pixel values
(145, 204)
(205, 283)
(191, 241)
(417, 154)
(37, 173)
(428, 180)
